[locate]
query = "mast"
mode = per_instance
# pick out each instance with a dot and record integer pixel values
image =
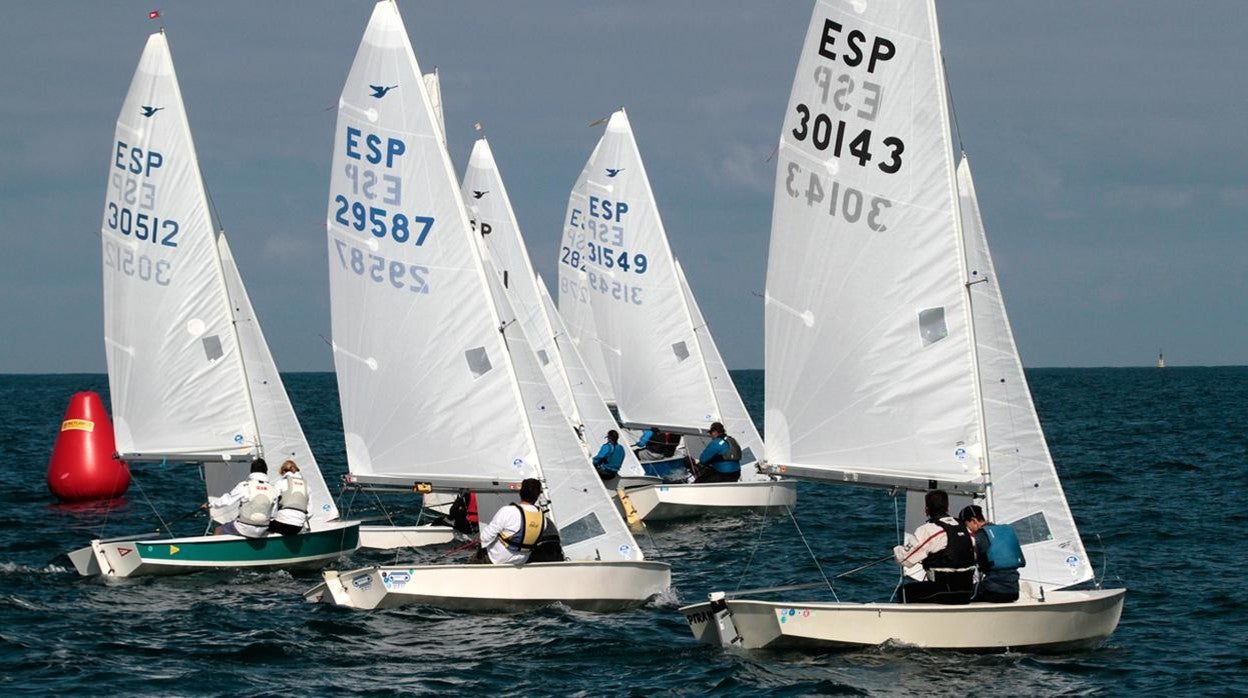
(951, 178)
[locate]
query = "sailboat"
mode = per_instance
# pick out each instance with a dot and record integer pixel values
(495, 222)
(890, 361)
(439, 385)
(627, 302)
(190, 374)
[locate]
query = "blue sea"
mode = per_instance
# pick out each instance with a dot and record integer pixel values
(1153, 462)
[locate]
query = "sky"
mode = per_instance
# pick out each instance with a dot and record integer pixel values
(1108, 141)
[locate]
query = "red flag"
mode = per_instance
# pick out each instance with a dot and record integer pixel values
(477, 126)
(154, 14)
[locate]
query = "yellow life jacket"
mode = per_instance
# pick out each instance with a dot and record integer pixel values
(531, 525)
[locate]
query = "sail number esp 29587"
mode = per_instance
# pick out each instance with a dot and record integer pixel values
(370, 202)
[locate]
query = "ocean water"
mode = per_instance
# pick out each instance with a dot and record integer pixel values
(1154, 465)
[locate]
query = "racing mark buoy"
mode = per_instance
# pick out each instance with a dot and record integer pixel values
(82, 465)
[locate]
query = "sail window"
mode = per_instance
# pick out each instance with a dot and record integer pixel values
(212, 347)
(932, 326)
(681, 350)
(583, 529)
(543, 356)
(1032, 529)
(478, 361)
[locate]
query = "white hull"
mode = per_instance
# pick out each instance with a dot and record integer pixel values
(116, 559)
(1064, 620)
(679, 501)
(588, 586)
(394, 537)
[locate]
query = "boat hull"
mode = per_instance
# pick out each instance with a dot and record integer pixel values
(115, 559)
(1064, 620)
(679, 501)
(587, 586)
(394, 537)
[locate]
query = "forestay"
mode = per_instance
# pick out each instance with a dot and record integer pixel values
(590, 527)
(423, 374)
(280, 433)
(494, 219)
(731, 410)
(870, 373)
(175, 374)
(1025, 490)
(613, 233)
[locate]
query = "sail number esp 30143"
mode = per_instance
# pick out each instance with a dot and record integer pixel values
(839, 120)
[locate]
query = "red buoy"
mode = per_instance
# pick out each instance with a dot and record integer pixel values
(82, 465)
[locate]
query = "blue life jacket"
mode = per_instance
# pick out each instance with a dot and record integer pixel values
(1004, 552)
(610, 457)
(645, 438)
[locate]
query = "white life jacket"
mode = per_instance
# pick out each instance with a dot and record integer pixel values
(256, 508)
(295, 496)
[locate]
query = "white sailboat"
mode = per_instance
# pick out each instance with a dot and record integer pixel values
(890, 360)
(494, 220)
(440, 389)
(617, 269)
(190, 374)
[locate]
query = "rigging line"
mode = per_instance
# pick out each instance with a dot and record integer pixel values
(944, 68)
(153, 508)
(762, 522)
(812, 554)
(901, 571)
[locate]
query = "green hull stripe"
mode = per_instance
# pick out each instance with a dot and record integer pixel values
(275, 549)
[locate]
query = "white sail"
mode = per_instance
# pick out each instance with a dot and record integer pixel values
(1025, 491)
(590, 527)
(574, 294)
(423, 374)
(280, 434)
(730, 410)
(494, 219)
(433, 87)
(614, 234)
(869, 357)
(595, 415)
(176, 377)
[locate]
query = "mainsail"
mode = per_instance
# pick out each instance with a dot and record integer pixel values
(424, 377)
(495, 222)
(614, 237)
(176, 377)
(870, 361)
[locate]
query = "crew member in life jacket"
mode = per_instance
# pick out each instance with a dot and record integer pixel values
(292, 501)
(255, 498)
(944, 548)
(997, 554)
(610, 457)
(721, 459)
(463, 516)
(517, 530)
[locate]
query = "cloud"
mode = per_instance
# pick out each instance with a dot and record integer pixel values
(1162, 197)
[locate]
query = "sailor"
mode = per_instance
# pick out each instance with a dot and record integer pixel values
(610, 457)
(997, 554)
(721, 459)
(946, 552)
(292, 501)
(516, 529)
(254, 497)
